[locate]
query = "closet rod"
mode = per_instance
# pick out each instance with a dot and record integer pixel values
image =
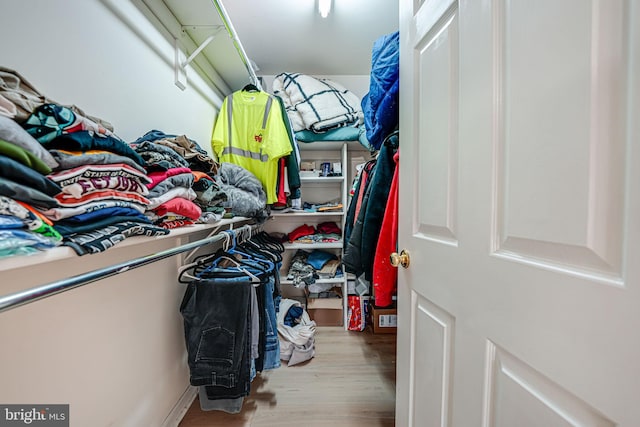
(236, 41)
(27, 296)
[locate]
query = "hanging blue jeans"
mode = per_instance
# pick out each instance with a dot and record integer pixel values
(272, 346)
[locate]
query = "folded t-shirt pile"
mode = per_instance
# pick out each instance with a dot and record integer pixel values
(23, 184)
(89, 185)
(183, 189)
(103, 197)
(325, 232)
(22, 230)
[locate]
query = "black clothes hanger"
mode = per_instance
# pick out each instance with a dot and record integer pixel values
(269, 241)
(254, 249)
(271, 248)
(236, 248)
(251, 88)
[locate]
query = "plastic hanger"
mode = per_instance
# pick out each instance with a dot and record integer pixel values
(251, 88)
(183, 272)
(264, 251)
(211, 258)
(249, 260)
(265, 239)
(265, 265)
(269, 251)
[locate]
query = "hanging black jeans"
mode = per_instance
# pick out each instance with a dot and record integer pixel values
(215, 311)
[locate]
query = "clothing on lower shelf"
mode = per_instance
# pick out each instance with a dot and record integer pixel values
(306, 267)
(300, 272)
(326, 232)
(322, 207)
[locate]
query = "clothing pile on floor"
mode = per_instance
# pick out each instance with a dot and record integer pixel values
(296, 333)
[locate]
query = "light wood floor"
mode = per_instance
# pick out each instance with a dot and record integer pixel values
(350, 382)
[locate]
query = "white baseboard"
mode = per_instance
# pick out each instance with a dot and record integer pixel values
(181, 407)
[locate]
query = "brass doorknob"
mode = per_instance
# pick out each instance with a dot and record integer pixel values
(401, 258)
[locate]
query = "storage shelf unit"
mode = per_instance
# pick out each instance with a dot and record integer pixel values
(316, 190)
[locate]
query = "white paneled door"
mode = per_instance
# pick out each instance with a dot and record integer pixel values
(520, 207)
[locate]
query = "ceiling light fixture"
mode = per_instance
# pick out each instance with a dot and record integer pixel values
(324, 7)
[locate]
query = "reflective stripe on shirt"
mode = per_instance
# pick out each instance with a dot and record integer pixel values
(245, 153)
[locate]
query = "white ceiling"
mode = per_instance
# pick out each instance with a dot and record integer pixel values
(282, 35)
(290, 35)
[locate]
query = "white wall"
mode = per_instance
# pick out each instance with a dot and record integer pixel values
(114, 350)
(79, 52)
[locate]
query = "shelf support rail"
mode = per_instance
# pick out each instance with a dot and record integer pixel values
(236, 41)
(180, 62)
(27, 296)
(198, 50)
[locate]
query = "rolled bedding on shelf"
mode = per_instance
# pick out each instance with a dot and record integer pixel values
(317, 104)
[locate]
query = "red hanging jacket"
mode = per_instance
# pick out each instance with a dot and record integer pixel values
(385, 276)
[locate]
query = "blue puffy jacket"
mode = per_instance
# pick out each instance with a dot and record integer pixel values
(380, 105)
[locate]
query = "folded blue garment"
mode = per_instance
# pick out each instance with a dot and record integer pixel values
(318, 258)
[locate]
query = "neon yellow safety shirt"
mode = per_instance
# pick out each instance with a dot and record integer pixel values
(251, 134)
